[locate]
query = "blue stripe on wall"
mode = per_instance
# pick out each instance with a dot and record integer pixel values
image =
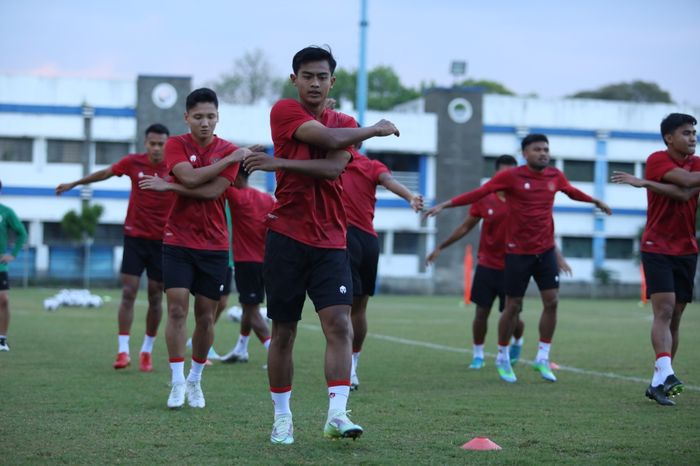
(505, 129)
(126, 112)
(50, 192)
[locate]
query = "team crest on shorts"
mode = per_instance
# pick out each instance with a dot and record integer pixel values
(342, 289)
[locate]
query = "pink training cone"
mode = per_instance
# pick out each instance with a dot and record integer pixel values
(554, 366)
(480, 443)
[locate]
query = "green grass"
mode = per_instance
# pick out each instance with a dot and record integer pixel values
(62, 403)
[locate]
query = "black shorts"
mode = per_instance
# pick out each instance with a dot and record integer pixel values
(141, 253)
(670, 274)
(249, 282)
(363, 249)
(292, 269)
(488, 284)
(520, 267)
(201, 272)
(227, 282)
(4, 281)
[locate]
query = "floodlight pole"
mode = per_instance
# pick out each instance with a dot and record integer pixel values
(361, 89)
(88, 113)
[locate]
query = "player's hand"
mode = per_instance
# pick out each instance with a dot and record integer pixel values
(564, 266)
(433, 211)
(63, 187)
(260, 161)
(626, 178)
(153, 183)
(239, 155)
(386, 128)
(256, 148)
(432, 257)
(417, 203)
(6, 258)
(603, 206)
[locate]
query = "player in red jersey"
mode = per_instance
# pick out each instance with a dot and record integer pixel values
(530, 250)
(195, 239)
(305, 248)
(248, 229)
(669, 246)
(488, 283)
(360, 180)
(143, 240)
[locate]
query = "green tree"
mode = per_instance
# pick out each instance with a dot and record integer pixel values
(490, 87)
(81, 228)
(636, 91)
(250, 81)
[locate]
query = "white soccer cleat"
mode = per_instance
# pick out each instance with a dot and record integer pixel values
(235, 356)
(4, 346)
(195, 396)
(282, 430)
(176, 400)
(354, 382)
(339, 425)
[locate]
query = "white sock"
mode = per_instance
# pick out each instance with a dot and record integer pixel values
(479, 351)
(662, 369)
(124, 343)
(177, 372)
(266, 343)
(517, 342)
(355, 361)
(281, 402)
(338, 398)
(543, 351)
(503, 354)
(147, 346)
(242, 345)
(196, 369)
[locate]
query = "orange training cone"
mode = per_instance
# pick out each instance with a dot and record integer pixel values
(644, 284)
(468, 265)
(480, 443)
(554, 366)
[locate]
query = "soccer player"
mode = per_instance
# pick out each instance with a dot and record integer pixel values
(360, 180)
(669, 246)
(250, 207)
(305, 249)
(195, 239)
(530, 251)
(8, 221)
(143, 241)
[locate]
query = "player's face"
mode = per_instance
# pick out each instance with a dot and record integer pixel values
(313, 82)
(537, 155)
(154, 146)
(683, 139)
(202, 120)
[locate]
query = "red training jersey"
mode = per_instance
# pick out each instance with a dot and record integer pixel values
(530, 194)
(670, 227)
(198, 223)
(309, 210)
(248, 210)
(360, 181)
(492, 243)
(148, 210)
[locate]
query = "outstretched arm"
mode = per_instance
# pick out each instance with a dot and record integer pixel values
(191, 177)
(314, 133)
(99, 175)
(390, 183)
(682, 178)
(578, 195)
(207, 191)
(330, 167)
(667, 189)
(459, 233)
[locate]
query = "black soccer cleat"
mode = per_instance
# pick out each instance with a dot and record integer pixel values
(672, 386)
(659, 395)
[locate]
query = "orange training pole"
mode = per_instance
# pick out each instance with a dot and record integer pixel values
(644, 284)
(468, 266)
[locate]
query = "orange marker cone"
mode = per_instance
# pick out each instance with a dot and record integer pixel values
(468, 265)
(480, 443)
(554, 366)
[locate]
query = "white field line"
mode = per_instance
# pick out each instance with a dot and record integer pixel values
(451, 349)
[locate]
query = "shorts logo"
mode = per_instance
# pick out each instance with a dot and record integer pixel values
(193, 158)
(342, 289)
(527, 186)
(140, 174)
(556, 278)
(221, 287)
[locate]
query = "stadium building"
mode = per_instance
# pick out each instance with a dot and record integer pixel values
(55, 130)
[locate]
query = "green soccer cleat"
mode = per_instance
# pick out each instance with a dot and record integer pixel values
(542, 366)
(672, 386)
(339, 425)
(505, 371)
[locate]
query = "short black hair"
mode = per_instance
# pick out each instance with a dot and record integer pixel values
(505, 159)
(532, 138)
(157, 128)
(674, 121)
(313, 53)
(203, 95)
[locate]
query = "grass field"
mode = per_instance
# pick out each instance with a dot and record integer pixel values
(62, 403)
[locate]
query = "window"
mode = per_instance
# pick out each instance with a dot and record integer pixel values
(380, 237)
(579, 170)
(66, 262)
(15, 150)
(405, 243)
(577, 247)
(54, 235)
(627, 167)
(109, 234)
(397, 162)
(107, 153)
(619, 248)
(63, 151)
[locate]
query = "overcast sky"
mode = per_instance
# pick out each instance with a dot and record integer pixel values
(552, 48)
